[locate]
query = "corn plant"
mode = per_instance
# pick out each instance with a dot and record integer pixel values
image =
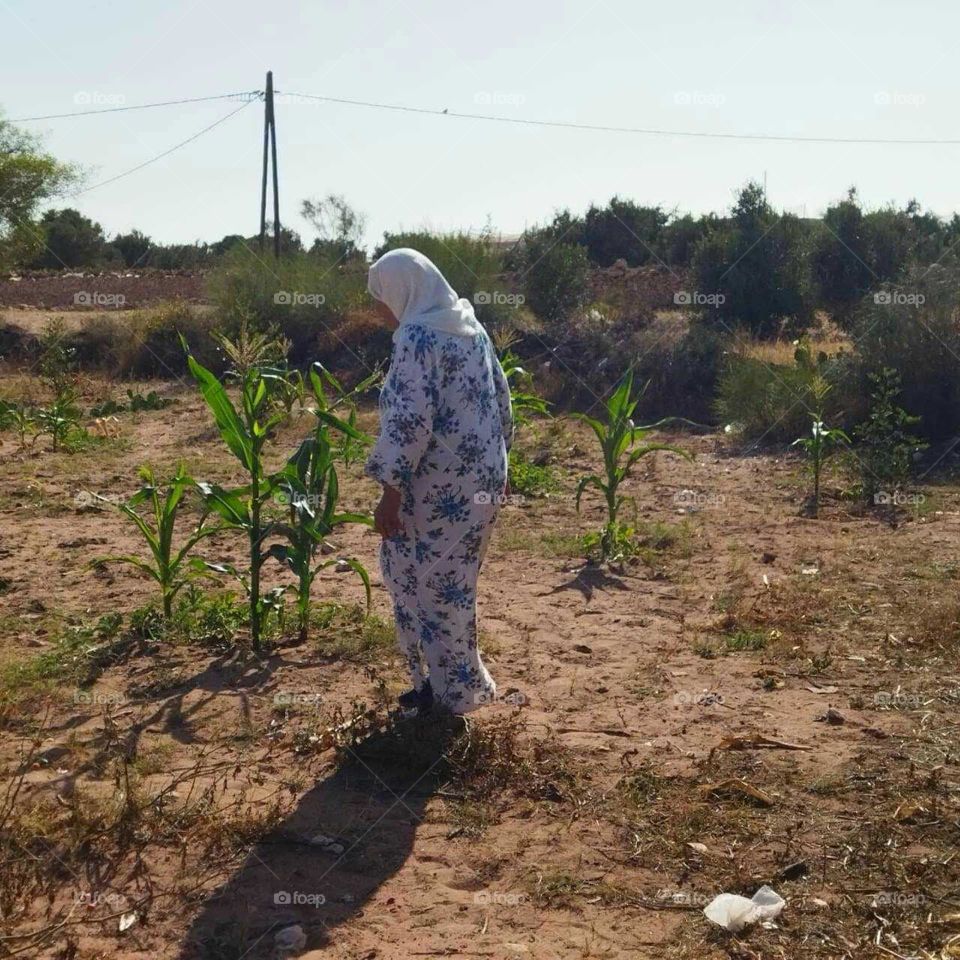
(822, 441)
(245, 429)
(17, 416)
(523, 402)
(622, 445)
(60, 419)
(252, 348)
(351, 444)
(310, 487)
(169, 567)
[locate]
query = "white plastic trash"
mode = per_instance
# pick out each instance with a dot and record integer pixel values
(733, 912)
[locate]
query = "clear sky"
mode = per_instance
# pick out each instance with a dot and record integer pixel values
(857, 68)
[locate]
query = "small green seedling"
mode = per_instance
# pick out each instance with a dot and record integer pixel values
(169, 567)
(622, 445)
(310, 488)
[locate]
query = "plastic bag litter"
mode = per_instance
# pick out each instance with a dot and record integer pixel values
(733, 912)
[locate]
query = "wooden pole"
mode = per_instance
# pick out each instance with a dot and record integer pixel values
(273, 153)
(263, 185)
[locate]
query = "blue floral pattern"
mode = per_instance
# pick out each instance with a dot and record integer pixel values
(445, 431)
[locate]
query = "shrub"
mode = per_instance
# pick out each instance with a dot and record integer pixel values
(885, 442)
(555, 279)
(622, 231)
(681, 372)
(770, 401)
(144, 343)
(358, 343)
(754, 265)
(912, 329)
(300, 294)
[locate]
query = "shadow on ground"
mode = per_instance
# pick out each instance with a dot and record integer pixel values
(370, 807)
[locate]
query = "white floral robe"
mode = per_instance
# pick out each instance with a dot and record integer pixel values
(445, 431)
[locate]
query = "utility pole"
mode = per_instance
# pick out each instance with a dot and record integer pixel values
(270, 153)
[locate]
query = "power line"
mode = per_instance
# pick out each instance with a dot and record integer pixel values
(570, 125)
(252, 94)
(165, 153)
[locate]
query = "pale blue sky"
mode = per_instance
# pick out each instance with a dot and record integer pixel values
(851, 69)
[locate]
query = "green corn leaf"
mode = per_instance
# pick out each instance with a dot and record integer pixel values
(226, 503)
(225, 415)
(592, 480)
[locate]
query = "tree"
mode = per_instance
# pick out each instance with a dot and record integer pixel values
(339, 227)
(290, 241)
(556, 278)
(751, 269)
(680, 236)
(840, 260)
(622, 231)
(230, 241)
(70, 240)
(28, 177)
(133, 247)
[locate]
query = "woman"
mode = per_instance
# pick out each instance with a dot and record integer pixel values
(441, 456)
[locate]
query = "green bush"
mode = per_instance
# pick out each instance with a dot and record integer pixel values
(774, 402)
(754, 268)
(886, 443)
(556, 279)
(144, 343)
(301, 294)
(622, 231)
(912, 329)
(681, 374)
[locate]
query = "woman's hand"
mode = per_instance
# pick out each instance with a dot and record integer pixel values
(386, 518)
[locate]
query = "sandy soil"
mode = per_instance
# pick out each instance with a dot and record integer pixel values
(740, 618)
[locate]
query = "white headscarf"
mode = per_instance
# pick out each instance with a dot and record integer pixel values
(417, 292)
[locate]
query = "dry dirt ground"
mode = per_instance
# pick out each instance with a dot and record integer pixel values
(206, 802)
(72, 290)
